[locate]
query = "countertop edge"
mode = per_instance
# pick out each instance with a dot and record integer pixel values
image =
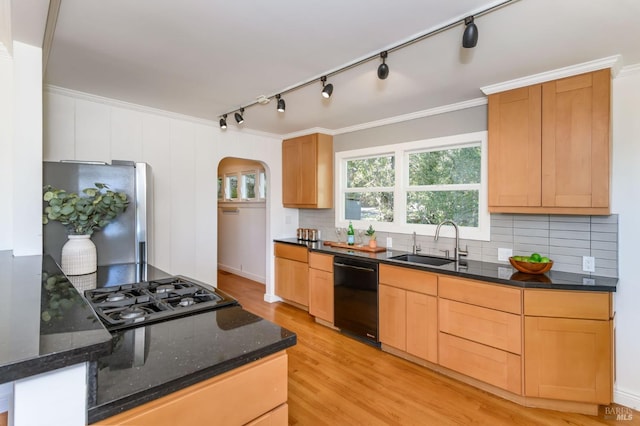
(55, 361)
(462, 274)
(112, 408)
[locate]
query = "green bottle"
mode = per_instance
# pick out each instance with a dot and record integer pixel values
(351, 235)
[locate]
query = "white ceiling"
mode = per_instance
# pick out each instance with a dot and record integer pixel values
(204, 58)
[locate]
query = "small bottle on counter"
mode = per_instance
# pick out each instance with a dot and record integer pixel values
(351, 235)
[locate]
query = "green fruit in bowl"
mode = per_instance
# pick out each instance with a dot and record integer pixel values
(535, 258)
(545, 260)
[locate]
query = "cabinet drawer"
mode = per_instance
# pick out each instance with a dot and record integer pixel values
(492, 296)
(568, 304)
(409, 279)
(293, 252)
(494, 366)
(324, 262)
(487, 326)
(258, 388)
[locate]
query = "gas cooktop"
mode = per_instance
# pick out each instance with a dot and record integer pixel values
(133, 305)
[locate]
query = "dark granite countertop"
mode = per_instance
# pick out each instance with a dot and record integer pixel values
(45, 324)
(485, 271)
(156, 360)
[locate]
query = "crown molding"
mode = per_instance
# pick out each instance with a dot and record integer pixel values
(56, 90)
(414, 115)
(629, 70)
(613, 62)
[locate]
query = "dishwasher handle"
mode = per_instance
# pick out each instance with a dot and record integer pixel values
(360, 268)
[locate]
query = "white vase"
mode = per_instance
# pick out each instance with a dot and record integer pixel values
(79, 255)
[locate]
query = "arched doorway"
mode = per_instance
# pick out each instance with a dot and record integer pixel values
(242, 218)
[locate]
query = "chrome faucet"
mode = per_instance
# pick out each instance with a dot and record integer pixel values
(416, 248)
(457, 251)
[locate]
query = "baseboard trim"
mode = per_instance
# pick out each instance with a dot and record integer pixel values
(242, 274)
(271, 298)
(627, 399)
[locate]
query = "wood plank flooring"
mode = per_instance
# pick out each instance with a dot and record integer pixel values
(336, 380)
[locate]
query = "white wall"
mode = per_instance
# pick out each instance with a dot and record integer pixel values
(625, 202)
(184, 154)
(6, 150)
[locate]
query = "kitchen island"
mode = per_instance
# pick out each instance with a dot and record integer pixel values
(56, 350)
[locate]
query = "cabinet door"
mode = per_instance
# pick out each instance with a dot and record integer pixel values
(321, 294)
(392, 306)
(515, 147)
(291, 165)
(568, 359)
(308, 171)
(575, 141)
(422, 326)
(292, 280)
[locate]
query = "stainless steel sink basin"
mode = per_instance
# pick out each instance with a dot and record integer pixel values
(422, 259)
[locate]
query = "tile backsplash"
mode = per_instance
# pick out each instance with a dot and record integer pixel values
(565, 239)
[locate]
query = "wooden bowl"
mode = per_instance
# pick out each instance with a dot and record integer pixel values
(529, 267)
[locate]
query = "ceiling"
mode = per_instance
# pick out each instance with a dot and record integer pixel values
(204, 58)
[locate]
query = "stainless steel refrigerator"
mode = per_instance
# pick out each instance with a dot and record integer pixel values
(123, 241)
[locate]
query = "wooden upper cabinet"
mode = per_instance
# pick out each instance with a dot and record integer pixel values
(549, 147)
(307, 171)
(514, 147)
(575, 141)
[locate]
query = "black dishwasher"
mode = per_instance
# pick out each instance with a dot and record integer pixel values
(355, 303)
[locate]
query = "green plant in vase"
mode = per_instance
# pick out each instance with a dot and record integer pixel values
(371, 233)
(82, 215)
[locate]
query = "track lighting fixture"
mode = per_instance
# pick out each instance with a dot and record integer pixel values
(238, 116)
(470, 35)
(469, 40)
(281, 105)
(383, 68)
(327, 89)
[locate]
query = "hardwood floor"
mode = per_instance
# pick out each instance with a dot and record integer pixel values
(336, 380)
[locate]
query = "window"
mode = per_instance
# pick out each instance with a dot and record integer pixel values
(231, 187)
(248, 185)
(414, 186)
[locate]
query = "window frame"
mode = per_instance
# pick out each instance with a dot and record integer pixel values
(401, 151)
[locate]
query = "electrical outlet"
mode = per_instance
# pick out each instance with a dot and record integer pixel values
(588, 264)
(389, 242)
(504, 254)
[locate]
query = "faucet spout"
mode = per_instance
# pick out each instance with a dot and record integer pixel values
(415, 248)
(457, 251)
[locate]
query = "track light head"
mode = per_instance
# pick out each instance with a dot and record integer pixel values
(383, 68)
(327, 89)
(223, 122)
(238, 116)
(470, 35)
(281, 105)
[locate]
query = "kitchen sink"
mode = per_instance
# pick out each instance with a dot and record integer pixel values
(422, 259)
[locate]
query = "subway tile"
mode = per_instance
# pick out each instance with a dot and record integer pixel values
(604, 245)
(563, 242)
(570, 235)
(502, 238)
(501, 231)
(605, 254)
(605, 219)
(534, 224)
(604, 236)
(606, 272)
(538, 241)
(527, 249)
(604, 227)
(606, 264)
(570, 226)
(569, 218)
(530, 232)
(569, 251)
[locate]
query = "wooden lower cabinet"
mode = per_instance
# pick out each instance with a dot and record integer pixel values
(490, 365)
(568, 345)
(409, 322)
(321, 286)
(292, 273)
(253, 394)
